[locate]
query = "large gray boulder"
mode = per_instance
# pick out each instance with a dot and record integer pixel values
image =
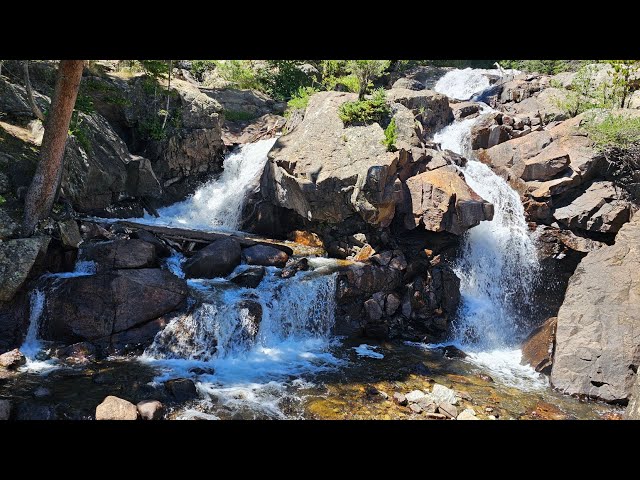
(217, 259)
(598, 334)
(433, 108)
(116, 254)
(17, 259)
(95, 307)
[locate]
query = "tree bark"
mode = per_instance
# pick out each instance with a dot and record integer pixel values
(166, 115)
(32, 101)
(42, 191)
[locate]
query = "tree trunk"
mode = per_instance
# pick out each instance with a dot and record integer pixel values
(32, 101)
(166, 115)
(42, 191)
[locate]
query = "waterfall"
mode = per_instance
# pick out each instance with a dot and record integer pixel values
(218, 203)
(468, 83)
(498, 262)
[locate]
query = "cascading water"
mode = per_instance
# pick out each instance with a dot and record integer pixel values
(218, 203)
(498, 262)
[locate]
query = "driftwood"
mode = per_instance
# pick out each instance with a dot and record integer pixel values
(188, 238)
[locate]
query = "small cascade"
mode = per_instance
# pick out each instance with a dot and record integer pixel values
(218, 203)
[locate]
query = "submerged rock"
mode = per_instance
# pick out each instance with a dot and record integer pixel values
(250, 278)
(150, 410)
(217, 259)
(181, 389)
(114, 408)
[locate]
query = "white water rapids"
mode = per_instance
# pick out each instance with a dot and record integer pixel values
(498, 263)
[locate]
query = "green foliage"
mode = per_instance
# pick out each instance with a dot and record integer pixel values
(300, 99)
(404, 65)
(582, 96)
(548, 67)
(333, 68)
(84, 103)
(155, 68)
(366, 71)
(390, 136)
(282, 78)
(238, 115)
(350, 82)
(79, 131)
(614, 131)
(623, 78)
(2, 200)
(150, 128)
(199, 67)
(240, 73)
(365, 111)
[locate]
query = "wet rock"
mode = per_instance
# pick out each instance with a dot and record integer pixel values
(365, 253)
(373, 310)
(400, 399)
(90, 231)
(250, 278)
(70, 233)
(441, 394)
(440, 200)
(547, 411)
(415, 396)
(398, 262)
(41, 392)
(597, 341)
(392, 303)
(181, 389)
(95, 307)
(436, 416)
(81, 352)
(17, 260)
(451, 351)
(5, 409)
(162, 250)
(150, 410)
(12, 360)
(382, 258)
(114, 408)
(427, 404)
(538, 347)
(415, 408)
(252, 315)
(464, 109)
(119, 254)
(31, 411)
(485, 377)
(294, 267)
(217, 259)
(202, 371)
(265, 256)
(104, 378)
(421, 369)
(467, 414)
(447, 409)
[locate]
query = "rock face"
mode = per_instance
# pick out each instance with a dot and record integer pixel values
(538, 347)
(5, 409)
(96, 307)
(631, 413)
(12, 360)
(114, 408)
(442, 201)
(433, 107)
(217, 259)
(17, 259)
(598, 334)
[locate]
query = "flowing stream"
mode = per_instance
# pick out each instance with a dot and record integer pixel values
(498, 263)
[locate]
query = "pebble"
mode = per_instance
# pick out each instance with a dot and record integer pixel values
(400, 399)
(415, 395)
(448, 409)
(416, 408)
(436, 416)
(488, 409)
(467, 414)
(442, 394)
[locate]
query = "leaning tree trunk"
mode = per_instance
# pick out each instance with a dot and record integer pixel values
(32, 101)
(39, 199)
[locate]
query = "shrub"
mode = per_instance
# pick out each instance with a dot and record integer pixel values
(283, 78)
(390, 136)
(238, 115)
(365, 111)
(619, 131)
(199, 67)
(366, 71)
(300, 99)
(349, 81)
(240, 73)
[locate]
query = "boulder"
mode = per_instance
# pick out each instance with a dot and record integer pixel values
(400, 399)
(443, 395)
(161, 248)
(447, 409)
(294, 267)
(114, 408)
(248, 102)
(538, 347)
(95, 307)
(408, 84)
(631, 413)
(150, 410)
(250, 278)
(440, 200)
(309, 239)
(373, 310)
(467, 414)
(598, 334)
(119, 254)
(415, 396)
(435, 112)
(546, 165)
(464, 109)
(217, 259)
(597, 209)
(5, 409)
(70, 233)
(17, 260)
(181, 389)
(265, 255)
(12, 360)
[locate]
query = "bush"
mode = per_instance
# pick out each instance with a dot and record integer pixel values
(240, 73)
(619, 131)
(548, 67)
(300, 99)
(349, 81)
(238, 115)
(390, 136)
(283, 78)
(199, 67)
(366, 71)
(365, 111)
